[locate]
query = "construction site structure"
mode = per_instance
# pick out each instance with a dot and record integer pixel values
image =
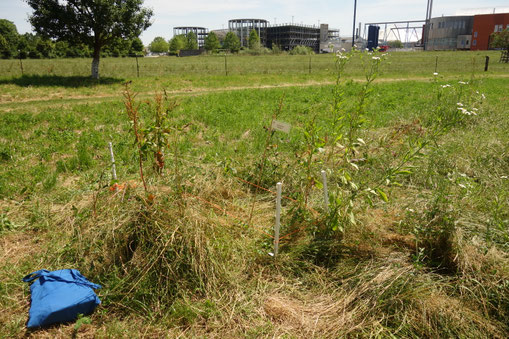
(242, 28)
(200, 32)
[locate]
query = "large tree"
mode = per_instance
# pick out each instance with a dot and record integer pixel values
(231, 42)
(501, 40)
(191, 41)
(96, 23)
(8, 38)
(177, 43)
(159, 45)
(212, 42)
(254, 40)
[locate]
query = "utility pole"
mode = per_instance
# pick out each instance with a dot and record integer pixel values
(354, 15)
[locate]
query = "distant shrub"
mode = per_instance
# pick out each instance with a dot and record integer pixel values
(301, 50)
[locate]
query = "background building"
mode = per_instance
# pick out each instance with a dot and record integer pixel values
(472, 32)
(444, 31)
(242, 27)
(484, 26)
(200, 32)
(289, 36)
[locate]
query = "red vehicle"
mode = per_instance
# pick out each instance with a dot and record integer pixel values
(383, 48)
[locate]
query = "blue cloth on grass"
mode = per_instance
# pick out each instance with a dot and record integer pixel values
(59, 296)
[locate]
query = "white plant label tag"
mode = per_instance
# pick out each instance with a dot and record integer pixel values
(281, 126)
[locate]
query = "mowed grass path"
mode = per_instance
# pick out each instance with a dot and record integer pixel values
(69, 78)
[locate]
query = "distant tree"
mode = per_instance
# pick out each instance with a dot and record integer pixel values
(45, 47)
(136, 46)
(191, 41)
(231, 42)
(177, 43)
(395, 44)
(8, 39)
(159, 45)
(254, 40)
(212, 42)
(500, 40)
(96, 23)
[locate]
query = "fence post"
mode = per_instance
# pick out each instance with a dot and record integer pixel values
(436, 64)
(137, 67)
(310, 64)
(225, 65)
(325, 193)
(20, 62)
(113, 169)
(278, 219)
(487, 63)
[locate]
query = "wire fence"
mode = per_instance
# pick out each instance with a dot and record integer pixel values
(400, 64)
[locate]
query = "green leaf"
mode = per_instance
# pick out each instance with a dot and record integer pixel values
(382, 195)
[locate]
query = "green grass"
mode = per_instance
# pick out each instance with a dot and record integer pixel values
(178, 266)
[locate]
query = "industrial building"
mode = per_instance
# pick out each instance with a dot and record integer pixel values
(289, 36)
(464, 32)
(242, 28)
(443, 33)
(484, 26)
(285, 36)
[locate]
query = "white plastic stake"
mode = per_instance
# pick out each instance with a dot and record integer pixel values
(113, 169)
(325, 192)
(278, 219)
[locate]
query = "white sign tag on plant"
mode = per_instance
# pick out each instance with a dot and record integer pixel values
(281, 126)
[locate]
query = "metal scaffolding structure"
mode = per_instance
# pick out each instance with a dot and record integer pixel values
(395, 27)
(200, 32)
(242, 28)
(289, 36)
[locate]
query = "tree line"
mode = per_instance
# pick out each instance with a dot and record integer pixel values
(36, 46)
(212, 43)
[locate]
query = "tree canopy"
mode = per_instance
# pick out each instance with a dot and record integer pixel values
(231, 42)
(191, 41)
(159, 45)
(96, 23)
(254, 40)
(500, 40)
(177, 43)
(212, 42)
(8, 38)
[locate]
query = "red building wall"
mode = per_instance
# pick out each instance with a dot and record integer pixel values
(484, 26)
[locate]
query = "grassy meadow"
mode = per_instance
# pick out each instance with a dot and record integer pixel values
(414, 241)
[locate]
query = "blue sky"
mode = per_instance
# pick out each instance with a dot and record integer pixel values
(214, 14)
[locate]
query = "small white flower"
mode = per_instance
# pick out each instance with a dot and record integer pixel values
(342, 57)
(462, 186)
(435, 74)
(375, 58)
(445, 86)
(462, 83)
(483, 96)
(474, 109)
(459, 104)
(343, 50)
(367, 49)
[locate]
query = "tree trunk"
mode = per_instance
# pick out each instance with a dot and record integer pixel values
(95, 68)
(95, 60)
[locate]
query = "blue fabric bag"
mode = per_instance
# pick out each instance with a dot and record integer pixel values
(59, 296)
